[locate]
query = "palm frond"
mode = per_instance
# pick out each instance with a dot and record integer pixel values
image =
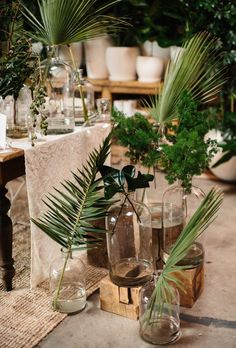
(65, 22)
(202, 218)
(71, 211)
(198, 69)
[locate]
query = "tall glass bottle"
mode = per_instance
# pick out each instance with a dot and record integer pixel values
(178, 207)
(84, 99)
(59, 106)
(129, 243)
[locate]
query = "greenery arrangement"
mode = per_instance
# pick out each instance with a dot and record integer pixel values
(196, 68)
(139, 136)
(64, 22)
(189, 153)
(202, 218)
(73, 209)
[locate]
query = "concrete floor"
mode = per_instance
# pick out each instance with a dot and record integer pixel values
(211, 323)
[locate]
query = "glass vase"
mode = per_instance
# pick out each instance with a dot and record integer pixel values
(159, 324)
(129, 242)
(68, 283)
(179, 206)
(58, 79)
(84, 100)
(17, 112)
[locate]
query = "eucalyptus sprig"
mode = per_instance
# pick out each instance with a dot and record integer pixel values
(73, 209)
(200, 221)
(197, 68)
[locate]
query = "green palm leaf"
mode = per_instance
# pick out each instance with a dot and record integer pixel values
(68, 21)
(197, 69)
(203, 217)
(71, 211)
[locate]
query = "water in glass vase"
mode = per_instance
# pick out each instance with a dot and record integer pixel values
(72, 298)
(194, 257)
(163, 330)
(131, 272)
(156, 214)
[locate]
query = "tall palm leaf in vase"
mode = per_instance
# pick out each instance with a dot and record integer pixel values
(159, 319)
(71, 213)
(198, 69)
(64, 22)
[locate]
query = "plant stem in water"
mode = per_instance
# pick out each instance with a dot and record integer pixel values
(55, 299)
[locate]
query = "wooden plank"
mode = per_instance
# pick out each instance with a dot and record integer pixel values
(119, 300)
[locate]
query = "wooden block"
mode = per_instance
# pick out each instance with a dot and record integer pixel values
(119, 300)
(193, 283)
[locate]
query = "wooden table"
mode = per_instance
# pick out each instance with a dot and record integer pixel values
(107, 87)
(12, 165)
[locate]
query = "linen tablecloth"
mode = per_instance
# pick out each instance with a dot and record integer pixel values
(46, 165)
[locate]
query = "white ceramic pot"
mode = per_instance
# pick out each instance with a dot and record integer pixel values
(149, 69)
(76, 49)
(225, 171)
(121, 63)
(95, 51)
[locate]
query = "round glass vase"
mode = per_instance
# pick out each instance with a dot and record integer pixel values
(129, 242)
(59, 86)
(179, 205)
(159, 324)
(68, 282)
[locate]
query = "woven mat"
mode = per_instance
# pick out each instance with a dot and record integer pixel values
(26, 316)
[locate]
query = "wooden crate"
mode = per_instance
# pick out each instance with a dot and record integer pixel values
(193, 283)
(119, 300)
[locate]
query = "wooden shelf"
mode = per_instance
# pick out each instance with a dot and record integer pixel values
(107, 87)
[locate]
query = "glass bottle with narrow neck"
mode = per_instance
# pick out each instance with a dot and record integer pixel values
(129, 242)
(57, 77)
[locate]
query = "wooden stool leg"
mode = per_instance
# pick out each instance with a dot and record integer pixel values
(7, 270)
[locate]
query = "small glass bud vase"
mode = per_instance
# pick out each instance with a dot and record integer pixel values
(104, 110)
(159, 324)
(68, 283)
(129, 242)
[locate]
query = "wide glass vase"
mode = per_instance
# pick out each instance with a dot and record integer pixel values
(159, 323)
(129, 242)
(59, 107)
(68, 282)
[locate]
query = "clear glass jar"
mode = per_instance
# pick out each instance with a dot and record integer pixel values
(130, 242)
(68, 283)
(59, 86)
(162, 324)
(104, 110)
(84, 93)
(17, 112)
(178, 207)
